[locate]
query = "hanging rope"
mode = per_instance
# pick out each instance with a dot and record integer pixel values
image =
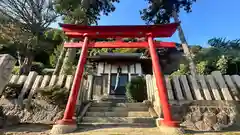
(117, 79)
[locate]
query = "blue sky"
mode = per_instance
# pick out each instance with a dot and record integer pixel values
(210, 18)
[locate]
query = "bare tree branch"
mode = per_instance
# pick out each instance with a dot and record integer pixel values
(35, 15)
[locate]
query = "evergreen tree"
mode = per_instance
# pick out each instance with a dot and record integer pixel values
(161, 11)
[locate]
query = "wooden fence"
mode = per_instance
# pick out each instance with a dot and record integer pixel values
(34, 81)
(204, 87)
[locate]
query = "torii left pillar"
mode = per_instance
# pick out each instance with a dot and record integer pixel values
(68, 124)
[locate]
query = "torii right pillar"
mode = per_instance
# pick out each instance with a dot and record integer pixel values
(167, 124)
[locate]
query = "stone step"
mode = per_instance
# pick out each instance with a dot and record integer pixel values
(118, 114)
(117, 109)
(114, 99)
(117, 125)
(119, 120)
(110, 104)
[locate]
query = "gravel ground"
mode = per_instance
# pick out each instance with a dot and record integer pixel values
(45, 129)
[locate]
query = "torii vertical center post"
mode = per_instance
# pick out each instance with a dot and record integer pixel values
(89, 33)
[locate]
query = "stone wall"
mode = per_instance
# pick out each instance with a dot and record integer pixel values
(207, 115)
(39, 111)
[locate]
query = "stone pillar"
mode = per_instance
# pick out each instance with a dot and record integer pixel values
(69, 81)
(60, 81)
(45, 81)
(27, 85)
(222, 85)
(7, 63)
(53, 80)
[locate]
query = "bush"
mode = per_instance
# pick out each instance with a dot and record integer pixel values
(53, 58)
(183, 70)
(12, 91)
(54, 95)
(37, 66)
(136, 90)
(203, 68)
(222, 64)
(16, 70)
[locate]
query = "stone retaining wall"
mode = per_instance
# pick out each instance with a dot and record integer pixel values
(207, 115)
(39, 112)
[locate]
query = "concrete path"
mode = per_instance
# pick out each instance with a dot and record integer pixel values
(97, 130)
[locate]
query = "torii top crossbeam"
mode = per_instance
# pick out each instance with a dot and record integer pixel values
(131, 31)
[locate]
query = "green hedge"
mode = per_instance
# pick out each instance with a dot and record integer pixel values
(136, 90)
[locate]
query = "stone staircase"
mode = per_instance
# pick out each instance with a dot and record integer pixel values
(118, 113)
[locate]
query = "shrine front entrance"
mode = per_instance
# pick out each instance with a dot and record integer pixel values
(118, 84)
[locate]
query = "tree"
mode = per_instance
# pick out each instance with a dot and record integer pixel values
(222, 64)
(53, 57)
(223, 55)
(56, 58)
(14, 37)
(161, 11)
(84, 12)
(224, 43)
(15, 42)
(195, 49)
(32, 17)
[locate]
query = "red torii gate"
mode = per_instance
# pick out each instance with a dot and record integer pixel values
(93, 32)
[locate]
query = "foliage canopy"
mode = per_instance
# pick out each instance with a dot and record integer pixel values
(160, 11)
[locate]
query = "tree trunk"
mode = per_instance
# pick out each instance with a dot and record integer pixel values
(59, 62)
(20, 60)
(185, 45)
(71, 52)
(69, 58)
(26, 66)
(27, 63)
